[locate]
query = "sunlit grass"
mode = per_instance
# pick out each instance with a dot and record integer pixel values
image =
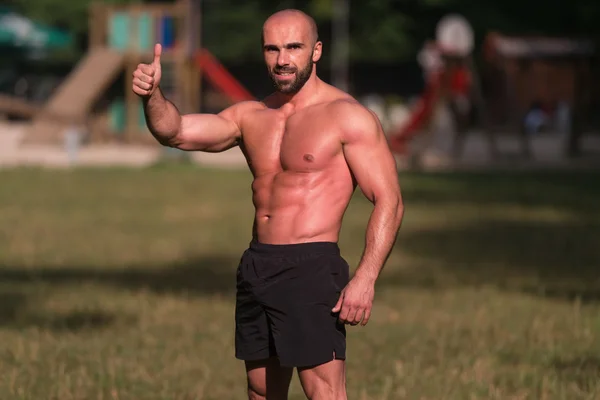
(119, 284)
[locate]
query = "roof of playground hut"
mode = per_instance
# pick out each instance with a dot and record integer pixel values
(537, 46)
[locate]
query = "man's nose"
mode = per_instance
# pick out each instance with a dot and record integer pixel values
(283, 58)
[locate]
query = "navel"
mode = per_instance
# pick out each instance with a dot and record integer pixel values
(309, 157)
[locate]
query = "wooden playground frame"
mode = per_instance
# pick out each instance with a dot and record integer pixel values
(120, 38)
(186, 85)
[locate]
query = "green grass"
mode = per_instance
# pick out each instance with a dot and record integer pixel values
(119, 284)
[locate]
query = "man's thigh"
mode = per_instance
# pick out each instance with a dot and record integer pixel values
(305, 330)
(253, 339)
(267, 379)
(325, 381)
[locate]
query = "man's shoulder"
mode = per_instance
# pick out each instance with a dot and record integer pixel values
(345, 104)
(349, 107)
(249, 105)
(240, 110)
(353, 117)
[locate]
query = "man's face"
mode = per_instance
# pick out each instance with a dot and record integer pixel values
(289, 54)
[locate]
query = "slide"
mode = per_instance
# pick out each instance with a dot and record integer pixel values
(217, 75)
(423, 110)
(75, 97)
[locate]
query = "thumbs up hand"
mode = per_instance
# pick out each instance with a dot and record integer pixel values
(146, 77)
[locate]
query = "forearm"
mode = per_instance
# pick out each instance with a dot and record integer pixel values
(382, 230)
(162, 117)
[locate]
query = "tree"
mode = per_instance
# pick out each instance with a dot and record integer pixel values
(68, 14)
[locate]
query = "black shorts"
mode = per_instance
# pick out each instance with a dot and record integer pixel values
(285, 294)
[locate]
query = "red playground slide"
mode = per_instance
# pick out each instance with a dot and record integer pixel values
(216, 73)
(399, 139)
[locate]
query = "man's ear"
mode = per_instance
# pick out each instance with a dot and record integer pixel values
(317, 51)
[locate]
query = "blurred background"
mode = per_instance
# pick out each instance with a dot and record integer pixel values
(118, 256)
(454, 83)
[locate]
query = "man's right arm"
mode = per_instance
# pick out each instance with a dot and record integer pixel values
(203, 132)
(192, 132)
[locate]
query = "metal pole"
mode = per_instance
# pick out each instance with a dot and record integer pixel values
(193, 26)
(340, 44)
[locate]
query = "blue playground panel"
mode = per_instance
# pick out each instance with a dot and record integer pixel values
(142, 119)
(167, 32)
(117, 116)
(119, 31)
(145, 32)
(141, 32)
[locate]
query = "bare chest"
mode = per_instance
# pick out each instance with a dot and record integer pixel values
(301, 142)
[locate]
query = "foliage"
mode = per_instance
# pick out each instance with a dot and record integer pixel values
(380, 30)
(68, 14)
(231, 29)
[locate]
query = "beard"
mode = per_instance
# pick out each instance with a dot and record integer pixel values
(293, 86)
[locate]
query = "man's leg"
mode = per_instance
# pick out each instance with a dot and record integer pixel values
(324, 382)
(268, 380)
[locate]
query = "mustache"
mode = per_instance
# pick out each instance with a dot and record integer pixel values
(284, 70)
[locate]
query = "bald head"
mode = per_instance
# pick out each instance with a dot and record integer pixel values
(293, 19)
(291, 49)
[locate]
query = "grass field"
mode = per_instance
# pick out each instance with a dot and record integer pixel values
(119, 284)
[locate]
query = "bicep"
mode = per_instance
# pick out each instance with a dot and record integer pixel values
(209, 132)
(371, 162)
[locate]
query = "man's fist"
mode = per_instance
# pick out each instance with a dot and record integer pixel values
(147, 76)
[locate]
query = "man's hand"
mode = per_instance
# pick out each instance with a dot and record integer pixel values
(356, 301)
(146, 77)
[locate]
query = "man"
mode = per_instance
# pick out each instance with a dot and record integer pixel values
(308, 145)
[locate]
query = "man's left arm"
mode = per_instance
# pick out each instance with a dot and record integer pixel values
(374, 168)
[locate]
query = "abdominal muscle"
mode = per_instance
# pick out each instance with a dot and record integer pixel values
(299, 207)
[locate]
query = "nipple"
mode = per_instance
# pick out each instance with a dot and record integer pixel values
(309, 157)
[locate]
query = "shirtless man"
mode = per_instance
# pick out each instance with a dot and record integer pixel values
(308, 145)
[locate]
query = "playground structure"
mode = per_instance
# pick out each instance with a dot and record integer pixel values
(519, 75)
(450, 78)
(526, 85)
(121, 37)
(539, 83)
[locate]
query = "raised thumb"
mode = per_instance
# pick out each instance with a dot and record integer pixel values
(157, 53)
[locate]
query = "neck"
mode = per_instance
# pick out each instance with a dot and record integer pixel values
(305, 95)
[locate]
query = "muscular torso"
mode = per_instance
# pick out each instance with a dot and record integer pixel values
(302, 184)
